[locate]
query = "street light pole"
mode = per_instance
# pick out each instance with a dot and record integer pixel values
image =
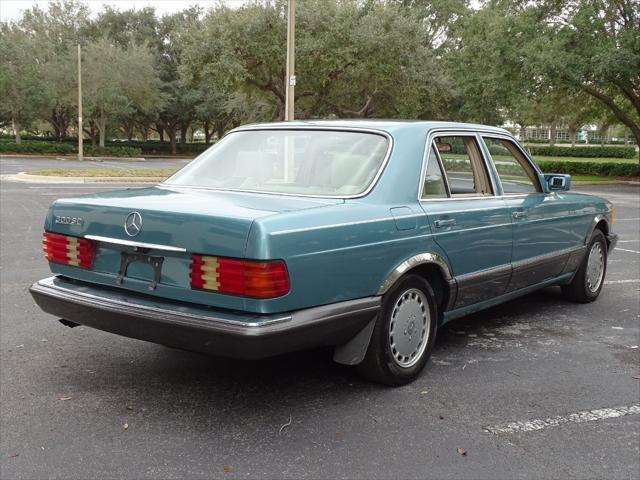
(291, 54)
(80, 148)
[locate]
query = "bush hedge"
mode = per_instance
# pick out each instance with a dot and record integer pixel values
(149, 147)
(38, 146)
(562, 142)
(65, 148)
(612, 169)
(155, 147)
(579, 142)
(113, 151)
(590, 152)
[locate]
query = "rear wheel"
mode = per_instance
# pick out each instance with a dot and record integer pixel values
(589, 279)
(404, 333)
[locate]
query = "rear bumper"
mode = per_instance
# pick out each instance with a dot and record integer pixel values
(202, 329)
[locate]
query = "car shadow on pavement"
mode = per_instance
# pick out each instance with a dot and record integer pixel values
(151, 383)
(534, 310)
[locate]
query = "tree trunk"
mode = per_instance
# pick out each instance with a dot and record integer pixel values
(572, 136)
(552, 135)
(220, 130)
(183, 133)
(160, 132)
(523, 132)
(60, 120)
(207, 132)
(16, 131)
(93, 134)
(54, 123)
(102, 127)
(280, 111)
(172, 139)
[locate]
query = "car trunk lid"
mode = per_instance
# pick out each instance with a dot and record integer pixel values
(170, 225)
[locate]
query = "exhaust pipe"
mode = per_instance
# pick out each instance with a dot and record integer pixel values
(69, 324)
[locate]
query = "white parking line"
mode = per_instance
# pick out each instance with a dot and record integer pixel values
(625, 250)
(609, 282)
(628, 241)
(577, 417)
(627, 219)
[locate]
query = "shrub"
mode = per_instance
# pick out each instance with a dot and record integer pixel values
(64, 148)
(37, 146)
(34, 144)
(562, 141)
(113, 151)
(156, 147)
(613, 169)
(590, 152)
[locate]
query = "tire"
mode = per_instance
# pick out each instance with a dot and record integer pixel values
(398, 358)
(588, 281)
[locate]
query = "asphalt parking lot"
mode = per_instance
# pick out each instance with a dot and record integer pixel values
(19, 163)
(505, 395)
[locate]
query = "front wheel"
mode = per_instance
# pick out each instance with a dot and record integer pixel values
(589, 279)
(404, 333)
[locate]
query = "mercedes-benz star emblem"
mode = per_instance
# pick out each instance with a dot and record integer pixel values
(133, 224)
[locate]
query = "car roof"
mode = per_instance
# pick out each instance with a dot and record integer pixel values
(389, 126)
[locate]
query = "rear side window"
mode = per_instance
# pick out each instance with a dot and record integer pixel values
(516, 173)
(434, 184)
(464, 166)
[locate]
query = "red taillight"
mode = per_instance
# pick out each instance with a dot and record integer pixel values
(68, 250)
(250, 278)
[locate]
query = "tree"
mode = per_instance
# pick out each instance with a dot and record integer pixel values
(366, 61)
(511, 49)
(178, 111)
(117, 81)
(22, 86)
(56, 32)
(594, 46)
(352, 58)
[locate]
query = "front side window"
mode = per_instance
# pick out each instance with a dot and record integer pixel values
(464, 166)
(296, 162)
(516, 173)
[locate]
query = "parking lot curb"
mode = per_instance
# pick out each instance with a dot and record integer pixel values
(27, 178)
(73, 157)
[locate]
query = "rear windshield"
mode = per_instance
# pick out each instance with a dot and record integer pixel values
(297, 162)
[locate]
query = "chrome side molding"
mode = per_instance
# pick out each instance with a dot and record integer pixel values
(408, 264)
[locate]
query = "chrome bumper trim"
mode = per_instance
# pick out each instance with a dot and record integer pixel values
(131, 243)
(199, 328)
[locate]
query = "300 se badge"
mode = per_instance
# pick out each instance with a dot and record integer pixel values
(69, 220)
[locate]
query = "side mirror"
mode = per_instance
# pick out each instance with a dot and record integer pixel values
(557, 181)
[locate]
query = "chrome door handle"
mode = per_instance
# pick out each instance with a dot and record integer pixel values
(519, 214)
(449, 222)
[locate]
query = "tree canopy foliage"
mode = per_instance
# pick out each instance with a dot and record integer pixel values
(552, 62)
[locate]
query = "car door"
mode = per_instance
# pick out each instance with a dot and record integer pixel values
(468, 220)
(541, 242)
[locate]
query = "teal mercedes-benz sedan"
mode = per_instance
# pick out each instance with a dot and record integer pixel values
(362, 235)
